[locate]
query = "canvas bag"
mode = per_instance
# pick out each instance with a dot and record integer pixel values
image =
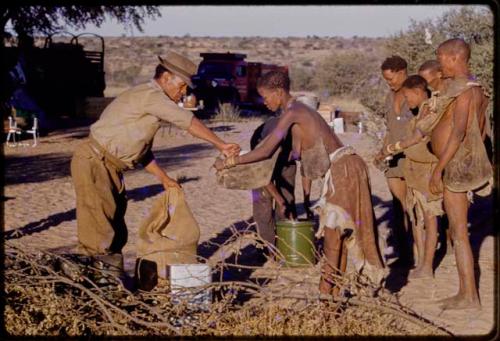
(250, 175)
(170, 234)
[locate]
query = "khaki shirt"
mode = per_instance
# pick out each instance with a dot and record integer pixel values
(129, 123)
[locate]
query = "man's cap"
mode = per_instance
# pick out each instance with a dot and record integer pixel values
(179, 66)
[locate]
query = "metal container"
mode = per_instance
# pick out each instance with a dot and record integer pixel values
(194, 277)
(295, 241)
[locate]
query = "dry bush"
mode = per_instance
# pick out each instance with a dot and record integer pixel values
(341, 73)
(372, 93)
(475, 26)
(227, 112)
(127, 75)
(301, 78)
(47, 294)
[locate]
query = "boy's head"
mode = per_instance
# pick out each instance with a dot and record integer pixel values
(431, 72)
(414, 90)
(453, 55)
(272, 86)
(394, 72)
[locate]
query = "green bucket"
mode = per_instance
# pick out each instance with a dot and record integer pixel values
(295, 241)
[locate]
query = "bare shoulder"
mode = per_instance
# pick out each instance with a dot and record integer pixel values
(467, 94)
(295, 110)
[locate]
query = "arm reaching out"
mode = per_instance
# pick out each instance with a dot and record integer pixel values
(153, 168)
(266, 148)
(199, 130)
(281, 205)
(271, 142)
(400, 146)
(415, 137)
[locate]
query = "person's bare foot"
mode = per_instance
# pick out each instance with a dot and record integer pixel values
(458, 302)
(336, 292)
(420, 273)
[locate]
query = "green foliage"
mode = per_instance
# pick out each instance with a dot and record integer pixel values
(411, 44)
(342, 73)
(372, 93)
(47, 19)
(301, 78)
(128, 75)
(475, 26)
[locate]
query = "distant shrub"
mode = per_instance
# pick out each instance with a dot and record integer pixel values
(307, 63)
(372, 93)
(302, 78)
(475, 26)
(227, 112)
(341, 73)
(127, 75)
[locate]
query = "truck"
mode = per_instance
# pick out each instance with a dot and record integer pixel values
(54, 79)
(229, 78)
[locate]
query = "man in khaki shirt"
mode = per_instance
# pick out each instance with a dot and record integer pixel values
(121, 139)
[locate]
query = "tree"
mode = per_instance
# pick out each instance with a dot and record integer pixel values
(31, 20)
(342, 72)
(475, 26)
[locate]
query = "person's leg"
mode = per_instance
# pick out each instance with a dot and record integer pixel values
(100, 211)
(424, 268)
(445, 227)
(397, 187)
(262, 206)
(94, 212)
(342, 264)
(456, 206)
(419, 245)
(332, 249)
(285, 183)
(306, 191)
(119, 225)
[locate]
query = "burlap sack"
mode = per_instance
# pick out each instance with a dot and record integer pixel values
(248, 176)
(170, 234)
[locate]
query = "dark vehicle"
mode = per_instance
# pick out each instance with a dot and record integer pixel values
(70, 74)
(57, 77)
(227, 77)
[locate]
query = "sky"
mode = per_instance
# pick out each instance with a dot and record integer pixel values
(279, 21)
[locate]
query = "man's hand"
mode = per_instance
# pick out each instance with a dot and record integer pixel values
(218, 164)
(380, 156)
(436, 182)
(230, 149)
(169, 183)
(284, 211)
(281, 208)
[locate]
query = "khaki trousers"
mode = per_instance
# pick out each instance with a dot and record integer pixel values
(101, 201)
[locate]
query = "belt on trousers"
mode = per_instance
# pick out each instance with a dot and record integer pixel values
(100, 151)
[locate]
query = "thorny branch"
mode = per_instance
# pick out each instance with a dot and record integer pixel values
(50, 302)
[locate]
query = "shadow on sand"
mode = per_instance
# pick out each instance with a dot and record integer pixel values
(250, 255)
(480, 217)
(136, 194)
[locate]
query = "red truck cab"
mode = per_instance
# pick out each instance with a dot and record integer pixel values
(228, 77)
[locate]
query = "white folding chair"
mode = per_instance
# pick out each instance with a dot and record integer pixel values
(13, 131)
(34, 131)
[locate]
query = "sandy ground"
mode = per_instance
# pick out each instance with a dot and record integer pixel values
(40, 210)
